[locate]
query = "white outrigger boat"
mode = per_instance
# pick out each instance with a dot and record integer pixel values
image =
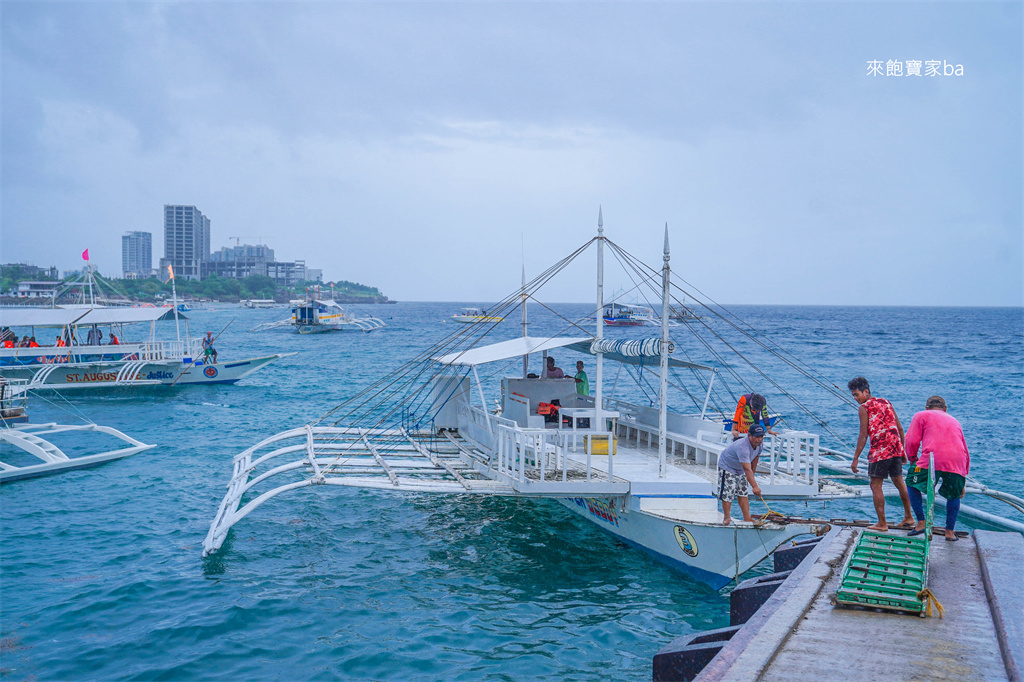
(26, 449)
(644, 473)
(84, 364)
(319, 315)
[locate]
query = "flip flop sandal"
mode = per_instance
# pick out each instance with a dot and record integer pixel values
(904, 526)
(915, 532)
(952, 539)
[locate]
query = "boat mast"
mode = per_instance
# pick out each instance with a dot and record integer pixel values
(526, 357)
(89, 281)
(599, 374)
(663, 393)
(174, 298)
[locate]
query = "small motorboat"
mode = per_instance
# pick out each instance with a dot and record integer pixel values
(471, 315)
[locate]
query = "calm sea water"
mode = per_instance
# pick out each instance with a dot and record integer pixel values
(101, 571)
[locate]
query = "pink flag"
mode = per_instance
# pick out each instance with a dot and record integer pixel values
(85, 255)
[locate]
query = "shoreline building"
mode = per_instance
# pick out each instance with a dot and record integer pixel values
(187, 249)
(244, 260)
(186, 241)
(238, 262)
(137, 255)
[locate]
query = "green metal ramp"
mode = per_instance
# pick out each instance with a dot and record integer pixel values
(886, 571)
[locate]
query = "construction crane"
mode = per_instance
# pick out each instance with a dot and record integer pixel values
(238, 240)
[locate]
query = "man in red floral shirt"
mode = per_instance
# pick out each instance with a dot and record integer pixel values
(887, 456)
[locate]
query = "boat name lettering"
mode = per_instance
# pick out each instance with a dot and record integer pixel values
(598, 508)
(686, 541)
(90, 376)
(160, 375)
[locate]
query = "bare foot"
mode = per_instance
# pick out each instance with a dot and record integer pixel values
(950, 534)
(919, 525)
(879, 527)
(727, 521)
(905, 524)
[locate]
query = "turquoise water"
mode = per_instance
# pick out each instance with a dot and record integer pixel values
(101, 576)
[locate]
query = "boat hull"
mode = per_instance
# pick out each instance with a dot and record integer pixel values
(470, 319)
(711, 553)
(146, 373)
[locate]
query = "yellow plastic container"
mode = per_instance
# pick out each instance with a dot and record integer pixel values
(599, 444)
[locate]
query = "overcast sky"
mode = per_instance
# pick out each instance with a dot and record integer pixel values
(415, 147)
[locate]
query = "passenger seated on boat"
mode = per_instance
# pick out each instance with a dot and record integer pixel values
(9, 343)
(32, 342)
(552, 372)
(113, 340)
(531, 375)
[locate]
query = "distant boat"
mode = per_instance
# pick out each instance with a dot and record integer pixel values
(683, 314)
(471, 315)
(619, 315)
(317, 315)
(259, 303)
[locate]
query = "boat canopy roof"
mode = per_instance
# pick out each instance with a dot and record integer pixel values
(639, 354)
(325, 302)
(505, 350)
(61, 317)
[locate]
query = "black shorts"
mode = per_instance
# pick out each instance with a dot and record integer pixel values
(886, 468)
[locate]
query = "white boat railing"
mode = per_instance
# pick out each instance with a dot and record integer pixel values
(793, 458)
(480, 426)
(147, 350)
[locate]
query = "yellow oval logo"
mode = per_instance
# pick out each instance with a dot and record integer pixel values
(686, 541)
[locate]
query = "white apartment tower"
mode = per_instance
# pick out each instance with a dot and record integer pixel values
(137, 254)
(186, 241)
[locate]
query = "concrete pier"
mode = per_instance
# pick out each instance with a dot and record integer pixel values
(799, 635)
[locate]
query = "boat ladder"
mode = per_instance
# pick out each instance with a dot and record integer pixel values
(890, 571)
(126, 374)
(40, 377)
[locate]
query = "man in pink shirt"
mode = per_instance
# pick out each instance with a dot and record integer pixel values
(935, 432)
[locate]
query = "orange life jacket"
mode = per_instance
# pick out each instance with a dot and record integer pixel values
(546, 408)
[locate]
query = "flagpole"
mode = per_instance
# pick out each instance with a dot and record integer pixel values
(174, 298)
(88, 278)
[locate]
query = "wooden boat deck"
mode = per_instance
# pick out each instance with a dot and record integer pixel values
(803, 636)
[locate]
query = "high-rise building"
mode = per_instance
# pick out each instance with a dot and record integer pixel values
(186, 240)
(137, 254)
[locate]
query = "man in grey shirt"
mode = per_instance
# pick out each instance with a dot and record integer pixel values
(736, 467)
